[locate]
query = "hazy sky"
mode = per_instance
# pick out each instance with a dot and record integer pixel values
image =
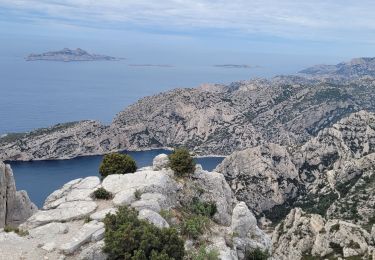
(335, 29)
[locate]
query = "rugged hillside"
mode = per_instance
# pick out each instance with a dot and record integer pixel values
(329, 181)
(212, 119)
(353, 69)
(331, 175)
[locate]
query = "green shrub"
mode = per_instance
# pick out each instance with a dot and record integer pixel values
(181, 162)
(194, 226)
(18, 231)
(137, 194)
(256, 254)
(127, 237)
(102, 194)
(117, 163)
(203, 254)
(202, 208)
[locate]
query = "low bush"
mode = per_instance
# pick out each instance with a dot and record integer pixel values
(203, 254)
(116, 163)
(18, 231)
(194, 226)
(202, 208)
(181, 162)
(102, 194)
(256, 254)
(127, 237)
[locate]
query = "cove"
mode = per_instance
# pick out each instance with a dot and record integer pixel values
(41, 178)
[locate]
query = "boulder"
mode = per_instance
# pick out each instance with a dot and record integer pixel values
(153, 218)
(75, 190)
(66, 211)
(83, 236)
(217, 190)
(93, 252)
(100, 215)
(15, 206)
(246, 234)
(160, 162)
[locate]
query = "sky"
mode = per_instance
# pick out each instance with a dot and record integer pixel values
(326, 30)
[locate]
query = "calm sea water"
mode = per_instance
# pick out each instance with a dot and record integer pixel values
(41, 93)
(41, 178)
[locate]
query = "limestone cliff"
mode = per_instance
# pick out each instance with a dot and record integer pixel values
(15, 206)
(332, 174)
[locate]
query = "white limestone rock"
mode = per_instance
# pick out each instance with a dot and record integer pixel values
(100, 215)
(75, 190)
(153, 218)
(83, 236)
(124, 198)
(15, 206)
(66, 211)
(93, 252)
(160, 162)
(246, 234)
(263, 176)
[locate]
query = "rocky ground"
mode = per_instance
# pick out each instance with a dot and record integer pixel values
(331, 177)
(69, 226)
(213, 119)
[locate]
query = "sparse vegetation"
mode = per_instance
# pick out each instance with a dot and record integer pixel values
(256, 254)
(137, 194)
(202, 253)
(102, 194)
(181, 162)
(16, 230)
(127, 237)
(194, 226)
(117, 163)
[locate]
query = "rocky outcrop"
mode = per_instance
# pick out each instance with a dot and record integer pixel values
(15, 206)
(213, 119)
(263, 177)
(303, 235)
(70, 225)
(332, 174)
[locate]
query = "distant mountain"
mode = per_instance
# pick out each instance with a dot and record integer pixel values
(355, 68)
(67, 55)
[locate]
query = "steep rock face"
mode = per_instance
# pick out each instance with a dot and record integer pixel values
(212, 119)
(303, 235)
(332, 174)
(262, 176)
(15, 206)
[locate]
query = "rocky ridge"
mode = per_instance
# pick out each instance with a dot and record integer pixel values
(212, 119)
(69, 226)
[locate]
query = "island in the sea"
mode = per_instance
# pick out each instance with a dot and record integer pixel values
(68, 55)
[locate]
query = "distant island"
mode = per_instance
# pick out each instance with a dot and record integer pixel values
(236, 66)
(68, 55)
